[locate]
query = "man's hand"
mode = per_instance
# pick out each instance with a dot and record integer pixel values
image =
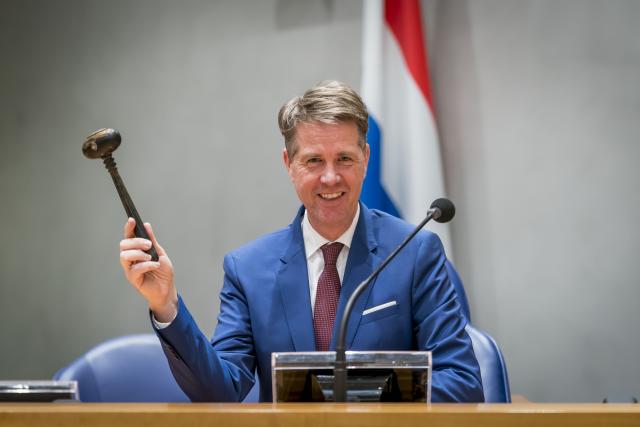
(154, 280)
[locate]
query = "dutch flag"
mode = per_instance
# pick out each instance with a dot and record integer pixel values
(405, 170)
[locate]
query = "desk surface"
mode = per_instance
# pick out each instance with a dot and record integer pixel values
(302, 414)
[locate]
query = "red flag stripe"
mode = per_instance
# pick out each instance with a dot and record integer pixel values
(405, 21)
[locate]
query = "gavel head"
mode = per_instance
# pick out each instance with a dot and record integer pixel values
(101, 143)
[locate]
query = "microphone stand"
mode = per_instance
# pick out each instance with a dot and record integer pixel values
(340, 367)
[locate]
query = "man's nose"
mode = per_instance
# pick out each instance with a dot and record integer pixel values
(330, 176)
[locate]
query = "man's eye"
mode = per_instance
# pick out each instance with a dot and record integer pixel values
(345, 159)
(313, 160)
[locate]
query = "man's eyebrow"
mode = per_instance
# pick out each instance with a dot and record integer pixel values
(347, 153)
(308, 155)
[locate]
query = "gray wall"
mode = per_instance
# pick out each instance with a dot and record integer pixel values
(537, 103)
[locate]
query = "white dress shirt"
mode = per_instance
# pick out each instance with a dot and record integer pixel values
(313, 241)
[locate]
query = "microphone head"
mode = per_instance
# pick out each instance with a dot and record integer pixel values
(443, 210)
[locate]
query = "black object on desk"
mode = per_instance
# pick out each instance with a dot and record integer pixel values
(38, 391)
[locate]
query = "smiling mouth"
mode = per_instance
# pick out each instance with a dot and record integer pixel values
(330, 196)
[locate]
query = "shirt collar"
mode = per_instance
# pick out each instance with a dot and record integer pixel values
(314, 241)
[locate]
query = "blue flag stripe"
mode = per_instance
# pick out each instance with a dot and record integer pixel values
(373, 193)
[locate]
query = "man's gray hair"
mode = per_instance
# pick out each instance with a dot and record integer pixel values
(330, 102)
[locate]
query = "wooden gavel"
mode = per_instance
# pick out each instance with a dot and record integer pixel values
(100, 145)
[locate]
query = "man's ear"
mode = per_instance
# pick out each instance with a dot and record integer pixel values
(286, 160)
(367, 152)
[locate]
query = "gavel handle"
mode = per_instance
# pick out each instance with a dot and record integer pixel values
(129, 207)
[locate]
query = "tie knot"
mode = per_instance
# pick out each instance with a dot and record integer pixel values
(330, 252)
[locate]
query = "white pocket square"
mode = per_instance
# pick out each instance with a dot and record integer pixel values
(379, 307)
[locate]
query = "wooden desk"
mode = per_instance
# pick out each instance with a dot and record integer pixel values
(334, 415)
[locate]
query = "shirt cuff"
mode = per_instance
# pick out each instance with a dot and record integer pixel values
(161, 325)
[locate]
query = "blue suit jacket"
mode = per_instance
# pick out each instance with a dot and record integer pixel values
(265, 307)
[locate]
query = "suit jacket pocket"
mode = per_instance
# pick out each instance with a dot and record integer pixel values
(380, 313)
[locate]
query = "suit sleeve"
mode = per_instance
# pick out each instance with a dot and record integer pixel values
(220, 370)
(439, 327)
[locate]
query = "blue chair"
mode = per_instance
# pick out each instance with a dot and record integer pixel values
(493, 369)
(131, 368)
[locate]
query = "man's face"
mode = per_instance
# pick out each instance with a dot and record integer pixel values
(327, 171)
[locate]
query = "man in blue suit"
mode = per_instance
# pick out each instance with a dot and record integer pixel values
(285, 291)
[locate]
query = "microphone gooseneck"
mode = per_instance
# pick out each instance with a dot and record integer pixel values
(441, 210)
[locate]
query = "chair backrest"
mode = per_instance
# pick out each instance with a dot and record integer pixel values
(493, 369)
(131, 368)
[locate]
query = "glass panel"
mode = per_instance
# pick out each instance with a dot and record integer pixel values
(372, 376)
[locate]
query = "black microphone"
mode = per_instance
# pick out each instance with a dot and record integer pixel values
(441, 210)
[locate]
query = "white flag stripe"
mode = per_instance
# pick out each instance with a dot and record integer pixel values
(411, 162)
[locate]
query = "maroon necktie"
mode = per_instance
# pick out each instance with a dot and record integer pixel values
(327, 295)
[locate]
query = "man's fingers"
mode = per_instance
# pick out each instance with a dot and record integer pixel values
(132, 242)
(152, 236)
(135, 243)
(129, 228)
(133, 256)
(144, 267)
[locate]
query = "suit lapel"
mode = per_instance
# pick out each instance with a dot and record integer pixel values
(293, 282)
(362, 258)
